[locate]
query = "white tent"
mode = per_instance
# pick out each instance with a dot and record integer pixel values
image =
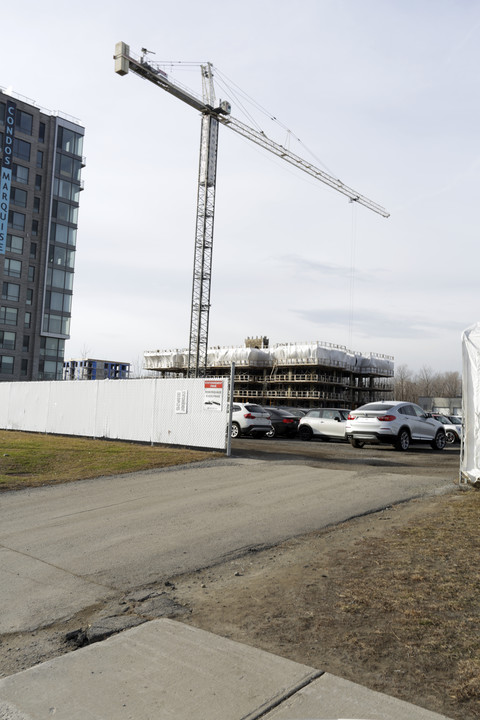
(470, 455)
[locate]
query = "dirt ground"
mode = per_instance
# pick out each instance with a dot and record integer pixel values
(390, 601)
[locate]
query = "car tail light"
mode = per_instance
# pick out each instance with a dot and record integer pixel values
(387, 418)
(351, 417)
(249, 415)
(288, 420)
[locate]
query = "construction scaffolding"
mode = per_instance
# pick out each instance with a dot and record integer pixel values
(310, 374)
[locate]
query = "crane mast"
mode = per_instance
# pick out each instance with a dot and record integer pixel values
(211, 118)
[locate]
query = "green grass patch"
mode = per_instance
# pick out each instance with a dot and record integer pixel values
(32, 459)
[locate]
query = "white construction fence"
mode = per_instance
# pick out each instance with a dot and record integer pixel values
(470, 453)
(180, 411)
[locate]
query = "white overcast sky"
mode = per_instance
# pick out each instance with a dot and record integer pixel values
(384, 93)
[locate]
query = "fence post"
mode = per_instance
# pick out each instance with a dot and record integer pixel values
(230, 401)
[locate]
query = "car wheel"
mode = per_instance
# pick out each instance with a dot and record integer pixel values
(403, 440)
(451, 437)
(271, 433)
(306, 432)
(235, 431)
(440, 441)
(357, 443)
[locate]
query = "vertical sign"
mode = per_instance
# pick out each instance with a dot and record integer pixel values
(181, 398)
(213, 395)
(6, 172)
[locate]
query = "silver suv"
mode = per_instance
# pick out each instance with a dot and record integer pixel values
(324, 423)
(249, 419)
(395, 423)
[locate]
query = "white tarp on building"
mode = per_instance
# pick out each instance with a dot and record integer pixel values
(470, 455)
(321, 353)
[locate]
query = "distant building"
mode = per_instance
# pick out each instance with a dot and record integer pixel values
(41, 162)
(444, 406)
(312, 374)
(89, 369)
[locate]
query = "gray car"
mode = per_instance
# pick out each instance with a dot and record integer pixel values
(395, 423)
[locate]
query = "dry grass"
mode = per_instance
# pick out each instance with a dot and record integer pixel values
(420, 589)
(32, 459)
(393, 607)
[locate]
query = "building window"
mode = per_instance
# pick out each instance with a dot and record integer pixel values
(58, 301)
(33, 249)
(61, 257)
(10, 291)
(69, 141)
(63, 211)
(16, 220)
(7, 340)
(6, 365)
(18, 197)
(41, 132)
(20, 173)
(14, 244)
(38, 182)
(26, 343)
(29, 298)
(66, 190)
(36, 204)
(60, 279)
(24, 367)
(12, 268)
(53, 347)
(34, 227)
(56, 324)
(8, 316)
(67, 167)
(39, 158)
(64, 234)
(24, 122)
(21, 149)
(28, 320)
(31, 273)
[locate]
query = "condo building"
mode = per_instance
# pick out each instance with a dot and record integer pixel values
(41, 163)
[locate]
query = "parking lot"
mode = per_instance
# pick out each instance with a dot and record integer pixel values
(419, 460)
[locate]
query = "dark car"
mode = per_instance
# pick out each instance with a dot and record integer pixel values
(298, 412)
(283, 423)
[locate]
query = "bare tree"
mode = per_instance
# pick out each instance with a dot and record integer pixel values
(404, 385)
(451, 385)
(425, 381)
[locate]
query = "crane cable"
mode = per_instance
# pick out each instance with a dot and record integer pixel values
(228, 86)
(351, 304)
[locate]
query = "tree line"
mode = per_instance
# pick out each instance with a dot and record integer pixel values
(409, 386)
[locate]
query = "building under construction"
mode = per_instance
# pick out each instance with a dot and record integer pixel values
(310, 374)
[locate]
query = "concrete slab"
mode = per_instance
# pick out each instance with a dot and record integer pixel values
(331, 697)
(162, 670)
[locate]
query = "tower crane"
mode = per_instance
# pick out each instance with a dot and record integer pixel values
(212, 115)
